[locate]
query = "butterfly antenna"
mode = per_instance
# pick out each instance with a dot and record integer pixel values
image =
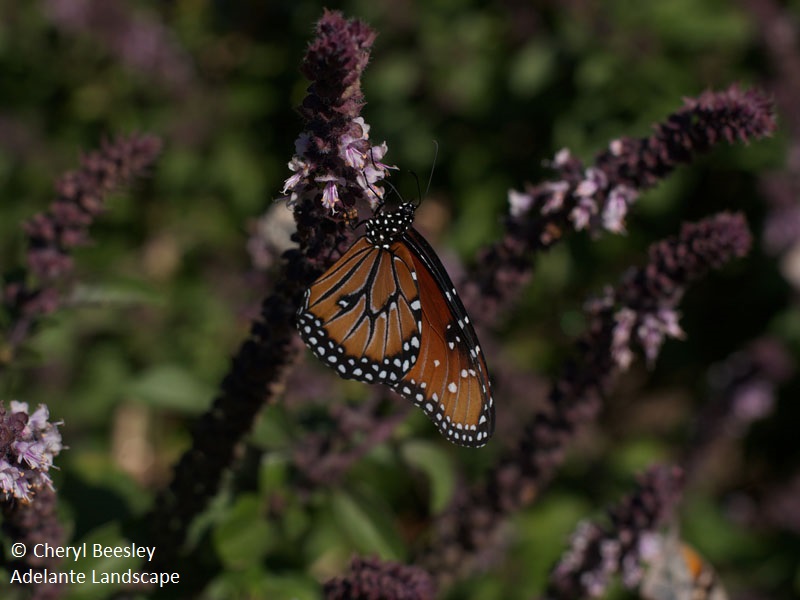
(392, 189)
(419, 189)
(433, 166)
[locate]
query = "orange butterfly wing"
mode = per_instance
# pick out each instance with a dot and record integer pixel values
(449, 380)
(362, 316)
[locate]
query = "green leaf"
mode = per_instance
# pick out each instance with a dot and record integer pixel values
(254, 583)
(272, 474)
(366, 525)
(243, 536)
(172, 387)
(94, 563)
(532, 69)
(436, 464)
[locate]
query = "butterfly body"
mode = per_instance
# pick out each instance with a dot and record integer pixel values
(386, 312)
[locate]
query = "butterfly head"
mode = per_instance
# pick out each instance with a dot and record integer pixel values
(385, 228)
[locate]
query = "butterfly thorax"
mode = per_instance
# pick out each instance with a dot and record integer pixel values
(386, 228)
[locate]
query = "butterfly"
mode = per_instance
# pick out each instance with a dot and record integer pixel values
(386, 312)
(679, 572)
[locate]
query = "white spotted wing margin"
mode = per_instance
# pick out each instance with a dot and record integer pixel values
(450, 379)
(362, 316)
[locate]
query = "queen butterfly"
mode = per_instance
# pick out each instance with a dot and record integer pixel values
(678, 572)
(387, 312)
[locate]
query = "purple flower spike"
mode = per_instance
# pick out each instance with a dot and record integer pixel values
(65, 225)
(28, 445)
(334, 154)
(597, 552)
(649, 297)
(326, 165)
(371, 578)
(79, 202)
(734, 115)
(597, 198)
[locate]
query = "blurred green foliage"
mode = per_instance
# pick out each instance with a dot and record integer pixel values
(166, 289)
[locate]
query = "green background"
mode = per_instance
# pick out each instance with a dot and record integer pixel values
(166, 291)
